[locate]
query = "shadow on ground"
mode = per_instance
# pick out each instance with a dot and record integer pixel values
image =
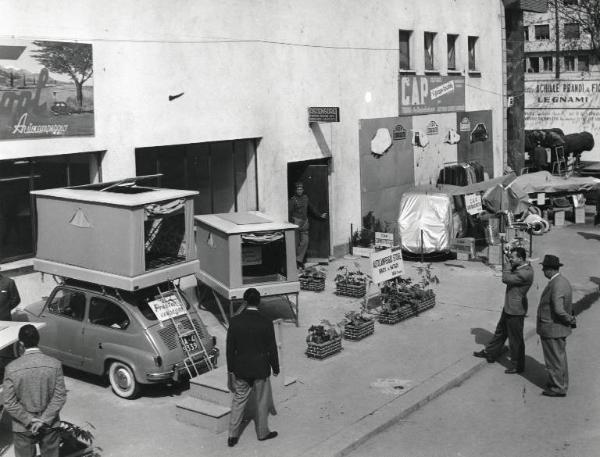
(482, 336)
(589, 236)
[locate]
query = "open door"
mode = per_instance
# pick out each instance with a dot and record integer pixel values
(315, 176)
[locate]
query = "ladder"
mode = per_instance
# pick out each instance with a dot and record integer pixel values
(184, 334)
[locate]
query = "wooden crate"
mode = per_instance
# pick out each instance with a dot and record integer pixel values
(358, 332)
(323, 350)
(395, 316)
(351, 290)
(314, 284)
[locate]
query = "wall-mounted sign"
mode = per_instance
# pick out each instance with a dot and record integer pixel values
(386, 265)
(46, 89)
(562, 94)
(465, 125)
(399, 133)
(323, 114)
(431, 94)
(432, 128)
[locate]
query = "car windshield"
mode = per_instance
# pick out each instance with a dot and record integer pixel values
(155, 299)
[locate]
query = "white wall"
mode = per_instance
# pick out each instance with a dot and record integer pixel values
(145, 50)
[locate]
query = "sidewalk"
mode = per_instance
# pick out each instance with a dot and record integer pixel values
(335, 407)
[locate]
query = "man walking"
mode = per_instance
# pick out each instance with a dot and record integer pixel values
(518, 277)
(9, 297)
(554, 322)
(251, 354)
(34, 393)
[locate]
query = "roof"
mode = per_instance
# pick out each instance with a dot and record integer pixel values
(153, 195)
(242, 222)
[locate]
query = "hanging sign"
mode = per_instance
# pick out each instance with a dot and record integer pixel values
(473, 203)
(386, 265)
(167, 306)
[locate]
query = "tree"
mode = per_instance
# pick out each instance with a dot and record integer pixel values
(72, 59)
(586, 13)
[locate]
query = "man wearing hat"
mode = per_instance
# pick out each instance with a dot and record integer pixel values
(554, 322)
(299, 209)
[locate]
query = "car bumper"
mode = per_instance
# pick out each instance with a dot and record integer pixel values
(179, 370)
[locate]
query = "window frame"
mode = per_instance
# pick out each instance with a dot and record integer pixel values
(112, 302)
(539, 27)
(408, 43)
(547, 68)
(472, 51)
(58, 290)
(572, 63)
(452, 39)
(573, 34)
(431, 64)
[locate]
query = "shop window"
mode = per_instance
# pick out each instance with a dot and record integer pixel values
(451, 41)
(542, 32)
(263, 258)
(571, 31)
(534, 65)
(404, 47)
(569, 63)
(68, 303)
(108, 314)
(429, 42)
(547, 63)
(472, 43)
(583, 63)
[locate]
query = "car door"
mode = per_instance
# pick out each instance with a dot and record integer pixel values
(111, 332)
(63, 335)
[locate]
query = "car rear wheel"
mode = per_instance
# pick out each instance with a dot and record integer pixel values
(122, 380)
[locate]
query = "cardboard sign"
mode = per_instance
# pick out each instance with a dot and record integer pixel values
(386, 265)
(167, 306)
(473, 203)
(384, 239)
(541, 198)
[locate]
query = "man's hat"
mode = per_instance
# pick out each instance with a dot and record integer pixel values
(551, 261)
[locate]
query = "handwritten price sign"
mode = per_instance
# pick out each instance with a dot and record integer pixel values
(473, 203)
(167, 306)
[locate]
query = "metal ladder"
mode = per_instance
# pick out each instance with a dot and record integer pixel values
(182, 334)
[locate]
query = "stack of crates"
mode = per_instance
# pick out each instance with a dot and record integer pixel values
(464, 248)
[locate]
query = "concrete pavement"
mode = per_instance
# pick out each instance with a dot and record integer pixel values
(339, 402)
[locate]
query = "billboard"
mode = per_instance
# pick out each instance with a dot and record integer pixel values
(46, 89)
(430, 94)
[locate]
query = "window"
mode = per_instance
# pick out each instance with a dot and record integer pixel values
(569, 63)
(108, 314)
(542, 32)
(429, 40)
(583, 63)
(547, 63)
(404, 40)
(472, 53)
(526, 33)
(68, 303)
(451, 39)
(534, 65)
(571, 31)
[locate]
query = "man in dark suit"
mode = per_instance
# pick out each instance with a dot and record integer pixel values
(518, 278)
(9, 297)
(251, 354)
(34, 393)
(554, 322)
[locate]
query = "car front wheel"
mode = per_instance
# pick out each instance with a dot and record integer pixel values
(122, 380)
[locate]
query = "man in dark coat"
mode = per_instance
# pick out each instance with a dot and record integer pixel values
(251, 355)
(554, 322)
(9, 297)
(34, 393)
(518, 278)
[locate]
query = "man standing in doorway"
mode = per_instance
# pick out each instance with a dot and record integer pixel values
(518, 278)
(555, 320)
(9, 297)
(299, 209)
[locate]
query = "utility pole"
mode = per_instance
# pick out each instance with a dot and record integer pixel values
(556, 41)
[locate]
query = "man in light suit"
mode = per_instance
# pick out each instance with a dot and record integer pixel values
(251, 355)
(554, 322)
(34, 393)
(518, 278)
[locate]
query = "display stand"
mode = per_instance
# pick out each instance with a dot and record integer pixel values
(247, 249)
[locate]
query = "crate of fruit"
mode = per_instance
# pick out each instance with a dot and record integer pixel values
(358, 331)
(323, 340)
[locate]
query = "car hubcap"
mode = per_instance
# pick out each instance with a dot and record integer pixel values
(123, 379)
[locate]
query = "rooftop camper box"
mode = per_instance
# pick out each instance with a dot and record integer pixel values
(116, 234)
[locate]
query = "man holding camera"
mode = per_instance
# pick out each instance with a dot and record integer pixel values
(518, 278)
(555, 320)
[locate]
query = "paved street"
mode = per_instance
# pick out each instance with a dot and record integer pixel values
(498, 415)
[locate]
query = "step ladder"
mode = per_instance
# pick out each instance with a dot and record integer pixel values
(184, 335)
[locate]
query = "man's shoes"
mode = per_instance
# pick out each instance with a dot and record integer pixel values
(484, 355)
(513, 371)
(232, 441)
(270, 436)
(551, 393)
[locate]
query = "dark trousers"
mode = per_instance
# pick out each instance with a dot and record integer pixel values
(510, 327)
(25, 442)
(555, 356)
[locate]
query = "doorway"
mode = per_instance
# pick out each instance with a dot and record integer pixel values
(314, 174)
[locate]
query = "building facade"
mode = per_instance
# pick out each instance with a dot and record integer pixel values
(214, 96)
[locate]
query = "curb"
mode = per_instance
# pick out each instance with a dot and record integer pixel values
(350, 438)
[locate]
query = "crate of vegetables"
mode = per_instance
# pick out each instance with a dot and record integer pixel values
(358, 326)
(312, 279)
(323, 341)
(395, 315)
(351, 283)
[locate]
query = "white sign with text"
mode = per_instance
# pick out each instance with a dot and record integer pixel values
(167, 306)
(473, 203)
(386, 265)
